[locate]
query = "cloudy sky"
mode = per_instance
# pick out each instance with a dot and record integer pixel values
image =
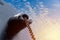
(44, 13)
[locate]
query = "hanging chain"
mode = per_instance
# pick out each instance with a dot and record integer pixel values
(30, 30)
(31, 33)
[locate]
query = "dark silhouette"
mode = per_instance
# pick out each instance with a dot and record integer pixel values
(15, 25)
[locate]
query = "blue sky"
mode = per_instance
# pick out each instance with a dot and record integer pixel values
(18, 4)
(52, 5)
(21, 4)
(33, 3)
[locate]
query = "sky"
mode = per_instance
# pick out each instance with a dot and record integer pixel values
(21, 3)
(45, 15)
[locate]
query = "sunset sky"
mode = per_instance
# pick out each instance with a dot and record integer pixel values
(45, 15)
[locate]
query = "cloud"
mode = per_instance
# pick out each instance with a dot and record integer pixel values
(45, 25)
(56, 5)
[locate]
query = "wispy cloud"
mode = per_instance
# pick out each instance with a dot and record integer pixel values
(56, 5)
(45, 25)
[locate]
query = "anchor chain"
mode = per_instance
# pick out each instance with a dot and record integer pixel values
(30, 30)
(31, 33)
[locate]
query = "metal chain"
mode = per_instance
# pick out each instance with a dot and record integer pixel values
(30, 30)
(31, 33)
